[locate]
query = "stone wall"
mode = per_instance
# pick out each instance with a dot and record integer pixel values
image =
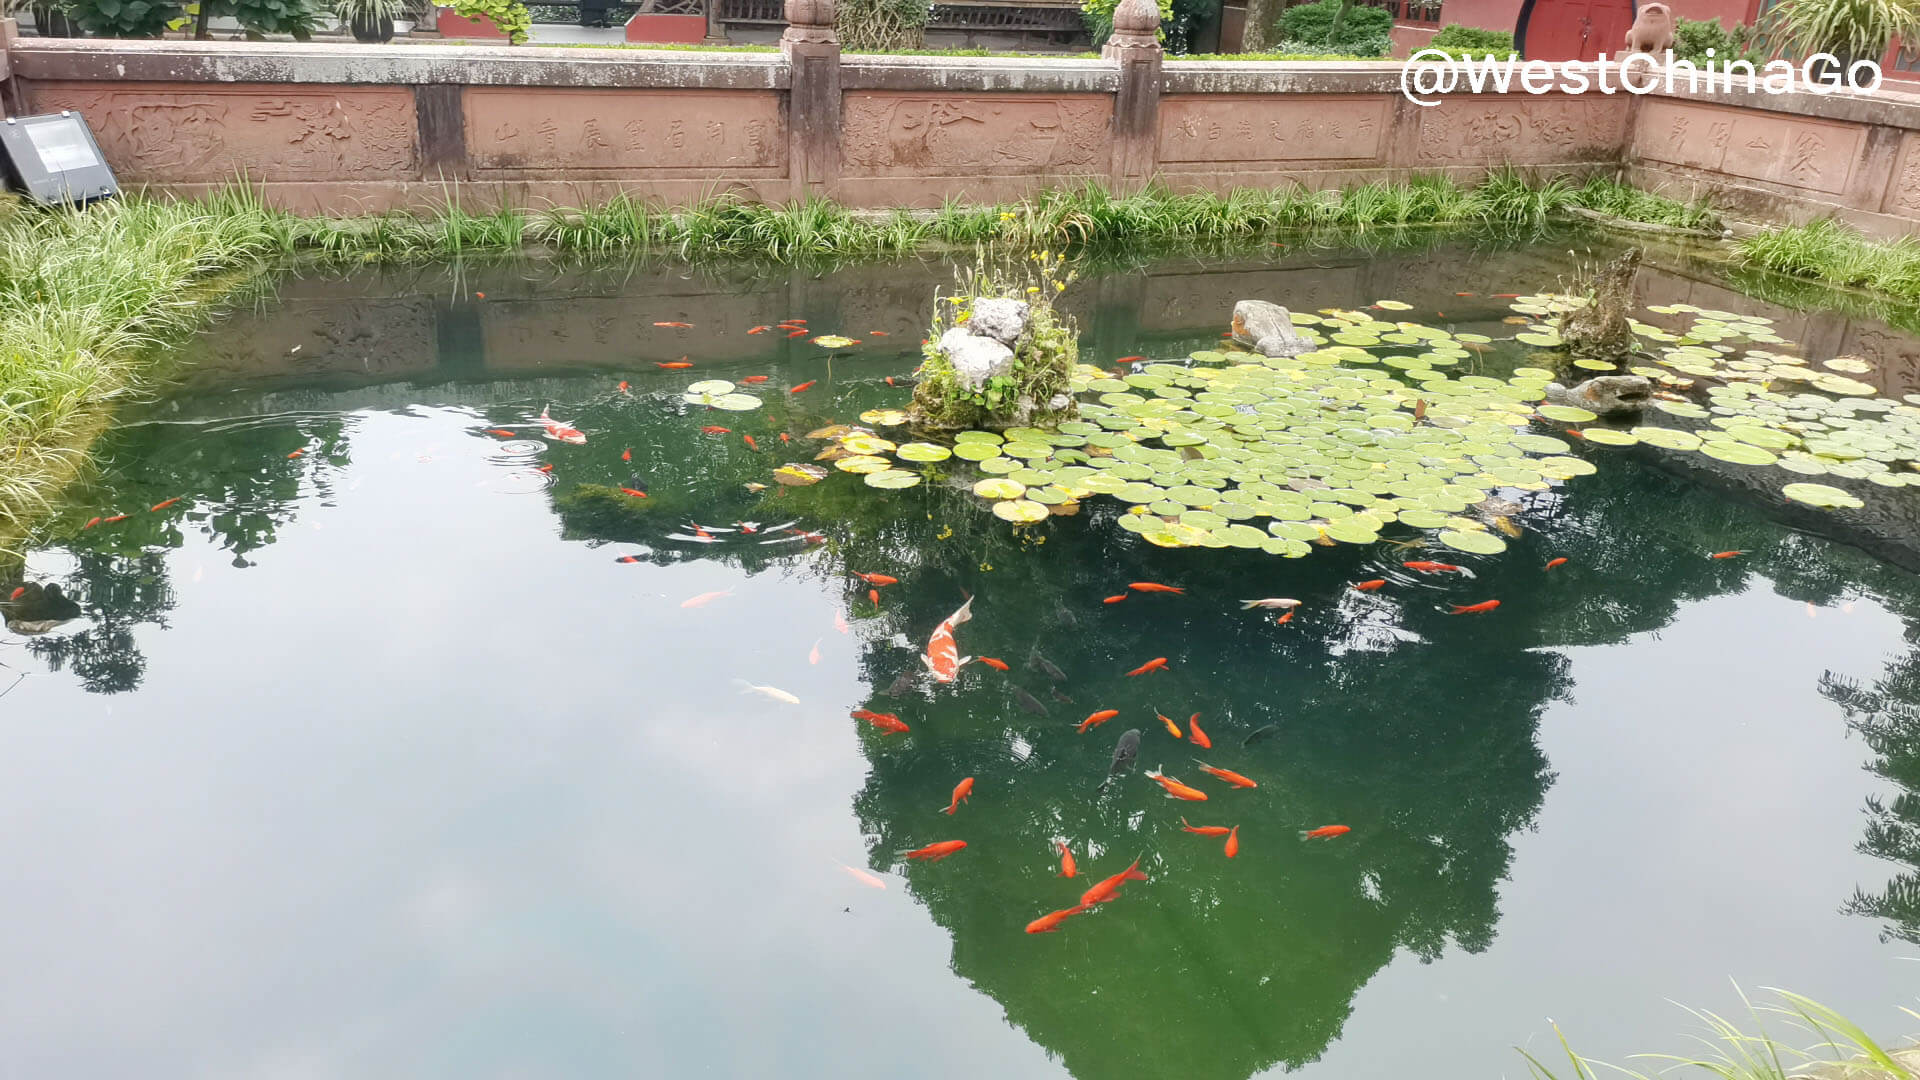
(342, 127)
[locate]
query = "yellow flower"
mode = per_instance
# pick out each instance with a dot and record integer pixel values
(1059, 286)
(1033, 288)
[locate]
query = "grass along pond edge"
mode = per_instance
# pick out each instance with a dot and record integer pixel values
(89, 298)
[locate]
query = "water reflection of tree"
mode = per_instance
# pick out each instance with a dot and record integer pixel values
(1887, 716)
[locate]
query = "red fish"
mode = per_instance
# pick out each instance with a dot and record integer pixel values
(889, 380)
(1463, 294)
(943, 655)
(1726, 554)
(813, 654)
(796, 322)
(1154, 664)
(1172, 728)
(673, 365)
(624, 388)
(628, 559)
(886, 722)
(296, 453)
(1176, 789)
(502, 432)
(1506, 296)
(840, 623)
(878, 333)
(1115, 599)
(1067, 867)
(91, 522)
(676, 325)
(632, 492)
(1204, 830)
(1228, 775)
(1369, 586)
(1233, 842)
(1110, 888)
(114, 520)
(481, 295)
(1325, 831)
(1097, 719)
(1432, 567)
(752, 379)
(759, 329)
(751, 445)
(159, 506)
(715, 429)
(784, 439)
(545, 468)
(936, 852)
(808, 385)
(1152, 586)
(873, 597)
(1199, 737)
(627, 454)
(704, 598)
(560, 432)
(877, 579)
(1561, 561)
(1474, 609)
(961, 793)
(1051, 921)
(799, 332)
(1131, 360)
(997, 665)
(1284, 619)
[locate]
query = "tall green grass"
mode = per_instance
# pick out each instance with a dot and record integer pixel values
(1828, 251)
(1732, 1050)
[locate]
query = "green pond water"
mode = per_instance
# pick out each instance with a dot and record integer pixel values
(402, 758)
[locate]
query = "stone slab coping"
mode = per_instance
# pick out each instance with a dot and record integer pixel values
(976, 74)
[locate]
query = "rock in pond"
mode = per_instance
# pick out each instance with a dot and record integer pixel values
(1267, 328)
(975, 359)
(1608, 395)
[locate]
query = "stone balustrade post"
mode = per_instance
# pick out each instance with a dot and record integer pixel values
(1135, 47)
(9, 33)
(812, 50)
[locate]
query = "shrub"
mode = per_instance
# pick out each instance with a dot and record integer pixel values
(1459, 41)
(1098, 15)
(1365, 31)
(882, 25)
(1692, 38)
(125, 18)
(296, 17)
(510, 16)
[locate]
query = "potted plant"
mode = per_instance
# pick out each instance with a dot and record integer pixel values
(52, 20)
(370, 20)
(486, 19)
(1851, 30)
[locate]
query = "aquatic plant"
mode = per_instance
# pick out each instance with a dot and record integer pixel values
(1031, 385)
(1841, 1047)
(1825, 250)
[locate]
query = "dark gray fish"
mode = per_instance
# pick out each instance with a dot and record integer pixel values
(903, 685)
(1258, 733)
(1029, 702)
(1124, 753)
(1043, 664)
(1060, 697)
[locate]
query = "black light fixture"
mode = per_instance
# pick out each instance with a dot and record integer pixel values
(53, 159)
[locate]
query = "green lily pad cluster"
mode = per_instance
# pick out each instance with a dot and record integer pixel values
(719, 394)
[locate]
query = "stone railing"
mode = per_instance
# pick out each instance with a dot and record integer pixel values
(343, 127)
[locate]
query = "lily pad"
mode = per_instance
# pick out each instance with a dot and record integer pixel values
(892, 478)
(735, 402)
(711, 386)
(833, 341)
(1478, 543)
(798, 474)
(999, 487)
(868, 444)
(863, 463)
(975, 451)
(884, 417)
(1823, 496)
(1020, 511)
(1568, 414)
(923, 451)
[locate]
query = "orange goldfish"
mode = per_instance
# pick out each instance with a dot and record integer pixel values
(502, 432)
(886, 722)
(992, 662)
(624, 388)
(1110, 888)
(1369, 586)
(627, 454)
(877, 579)
(1233, 842)
(1726, 554)
(560, 432)
(752, 379)
(1561, 561)
(673, 365)
(715, 429)
(808, 385)
(704, 598)
(784, 438)
(1172, 728)
(1471, 609)
(751, 445)
(1176, 789)
(797, 333)
(296, 453)
(1432, 567)
(1097, 719)
(159, 506)
(961, 793)
(1051, 921)
(545, 468)
(114, 520)
(1199, 737)
(873, 597)
(813, 654)
(633, 492)
(943, 655)
(936, 852)
(1228, 775)
(759, 329)
(840, 623)
(1284, 619)
(1154, 664)
(627, 559)
(1152, 586)
(91, 522)
(676, 325)
(1115, 599)
(1326, 831)
(870, 880)
(1204, 830)
(1067, 867)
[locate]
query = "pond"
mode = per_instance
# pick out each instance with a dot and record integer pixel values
(384, 753)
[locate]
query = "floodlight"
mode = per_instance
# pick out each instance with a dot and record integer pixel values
(53, 159)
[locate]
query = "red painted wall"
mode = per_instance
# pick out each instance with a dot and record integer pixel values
(674, 29)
